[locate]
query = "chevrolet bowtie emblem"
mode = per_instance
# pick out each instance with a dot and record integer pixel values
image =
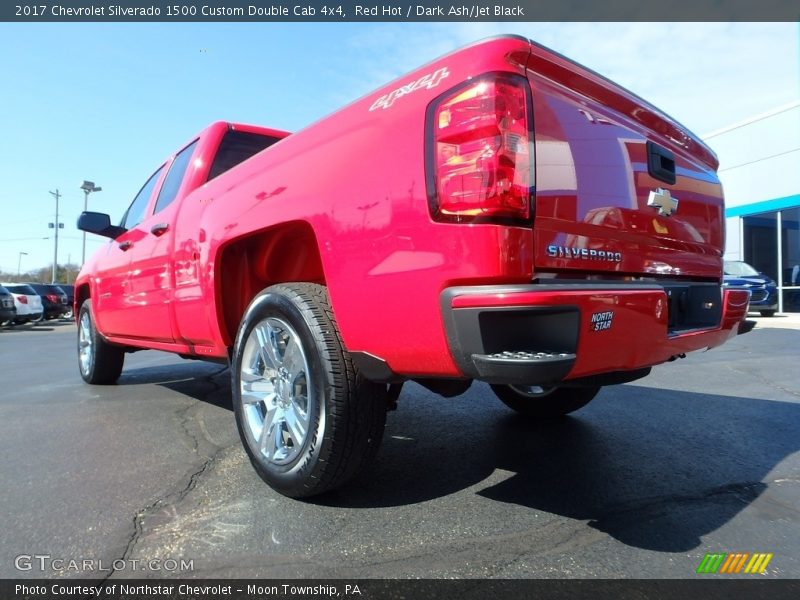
(662, 200)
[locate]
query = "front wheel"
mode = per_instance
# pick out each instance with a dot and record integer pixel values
(767, 313)
(545, 402)
(308, 420)
(99, 362)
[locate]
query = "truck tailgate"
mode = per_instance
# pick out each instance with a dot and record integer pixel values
(620, 187)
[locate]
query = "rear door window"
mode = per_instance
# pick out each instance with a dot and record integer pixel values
(173, 180)
(135, 213)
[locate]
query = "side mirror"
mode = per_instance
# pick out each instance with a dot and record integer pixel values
(99, 223)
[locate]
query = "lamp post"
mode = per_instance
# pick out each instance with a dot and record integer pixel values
(56, 226)
(88, 187)
(19, 263)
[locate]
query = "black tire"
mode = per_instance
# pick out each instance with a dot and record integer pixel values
(767, 313)
(104, 361)
(343, 413)
(549, 404)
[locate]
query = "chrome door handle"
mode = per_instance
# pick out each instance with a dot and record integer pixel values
(159, 229)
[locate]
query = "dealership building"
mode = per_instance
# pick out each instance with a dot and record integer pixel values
(760, 173)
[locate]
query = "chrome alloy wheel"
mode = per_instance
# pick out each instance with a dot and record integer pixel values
(275, 391)
(85, 347)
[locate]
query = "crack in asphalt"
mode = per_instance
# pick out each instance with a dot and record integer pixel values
(576, 539)
(170, 498)
(764, 380)
(185, 420)
(178, 492)
(161, 502)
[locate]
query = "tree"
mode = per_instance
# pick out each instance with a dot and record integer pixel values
(65, 274)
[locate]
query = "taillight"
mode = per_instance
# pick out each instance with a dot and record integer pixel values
(479, 151)
(54, 298)
(23, 299)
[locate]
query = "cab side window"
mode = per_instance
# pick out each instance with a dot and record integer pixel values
(172, 183)
(237, 147)
(135, 213)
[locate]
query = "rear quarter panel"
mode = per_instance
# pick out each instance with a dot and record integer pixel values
(358, 178)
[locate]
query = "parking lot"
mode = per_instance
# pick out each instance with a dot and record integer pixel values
(700, 457)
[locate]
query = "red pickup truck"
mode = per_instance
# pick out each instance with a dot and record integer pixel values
(501, 214)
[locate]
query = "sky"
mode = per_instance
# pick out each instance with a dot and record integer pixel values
(108, 102)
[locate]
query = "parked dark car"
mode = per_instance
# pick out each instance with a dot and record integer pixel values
(8, 312)
(69, 290)
(763, 289)
(54, 300)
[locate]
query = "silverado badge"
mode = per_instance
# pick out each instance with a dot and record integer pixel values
(663, 201)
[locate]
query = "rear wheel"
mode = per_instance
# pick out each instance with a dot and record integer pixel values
(545, 402)
(98, 361)
(308, 420)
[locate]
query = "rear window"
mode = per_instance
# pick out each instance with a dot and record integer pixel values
(22, 289)
(739, 269)
(3, 290)
(46, 288)
(236, 147)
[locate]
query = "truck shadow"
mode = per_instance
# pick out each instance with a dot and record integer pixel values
(655, 469)
(207, 382)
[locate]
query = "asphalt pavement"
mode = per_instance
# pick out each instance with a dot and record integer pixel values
(134, 479)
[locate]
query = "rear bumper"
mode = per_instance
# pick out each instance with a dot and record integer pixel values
(27, 317)
(55, 311)
(541, 334)
(7, 314)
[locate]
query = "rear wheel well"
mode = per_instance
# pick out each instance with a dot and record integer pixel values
(287, 253)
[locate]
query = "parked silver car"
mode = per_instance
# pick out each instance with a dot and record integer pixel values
(27, 302)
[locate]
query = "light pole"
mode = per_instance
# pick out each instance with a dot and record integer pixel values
(88, 187)
(55, 226)
(19, 262)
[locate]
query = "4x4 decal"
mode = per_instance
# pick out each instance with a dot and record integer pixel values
(429, 81)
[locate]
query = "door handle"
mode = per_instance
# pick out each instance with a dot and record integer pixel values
(159, 229)
(125, 245)
(660, 163)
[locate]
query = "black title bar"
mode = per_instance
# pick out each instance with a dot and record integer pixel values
(713, 588)
(398, 11)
